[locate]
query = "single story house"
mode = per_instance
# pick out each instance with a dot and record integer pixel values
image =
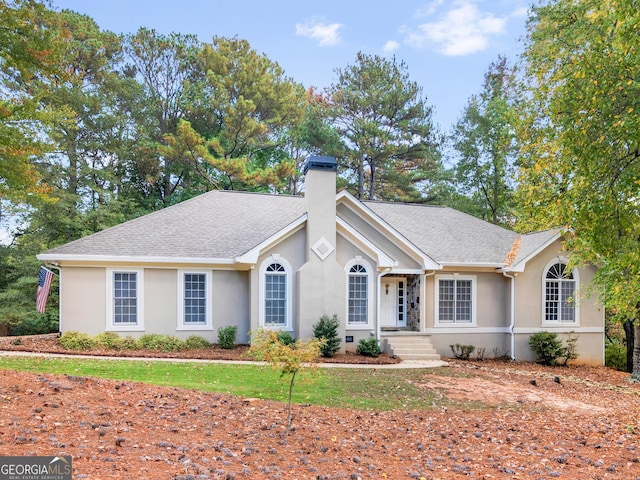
(419, 278)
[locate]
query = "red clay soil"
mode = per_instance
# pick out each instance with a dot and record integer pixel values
(521, 421)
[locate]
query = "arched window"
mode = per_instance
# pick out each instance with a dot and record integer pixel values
(560, 289)
(358, 309)
(275, 295)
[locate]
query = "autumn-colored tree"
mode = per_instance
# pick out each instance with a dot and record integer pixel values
(240, 107)
(289, 359)
(30, 48)
(581, 141)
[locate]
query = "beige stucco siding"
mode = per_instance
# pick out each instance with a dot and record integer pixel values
(83, 305)
(231, 302)
(84, 290)
(529, 311)
(530, 292)
(292, 251)
(160, 301)
(491, 300)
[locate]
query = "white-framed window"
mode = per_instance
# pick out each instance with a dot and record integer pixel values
(560, 289)
(455, 300)
(125, 300)
(276, 293)
(359, 293)
(195, 304)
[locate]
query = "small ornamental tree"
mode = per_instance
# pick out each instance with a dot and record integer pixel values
(327, 329)
(288, 359)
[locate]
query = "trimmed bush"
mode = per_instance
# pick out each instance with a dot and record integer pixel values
(227, 336)
(195, 342)
(368, 347)
(129, 343)
(546, 346)
(109, 340)
(326, 330)
(77, 341)
(161, 343)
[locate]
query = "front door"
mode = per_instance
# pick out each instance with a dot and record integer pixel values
(392, 302)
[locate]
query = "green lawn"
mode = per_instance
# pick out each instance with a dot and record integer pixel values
(376, 389)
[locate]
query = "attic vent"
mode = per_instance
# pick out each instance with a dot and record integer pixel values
(321, 163)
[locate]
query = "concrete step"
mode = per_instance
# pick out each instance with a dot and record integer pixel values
(411, 347)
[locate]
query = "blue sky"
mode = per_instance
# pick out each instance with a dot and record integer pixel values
(446, 44)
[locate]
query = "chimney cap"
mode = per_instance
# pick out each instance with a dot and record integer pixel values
(316, 162)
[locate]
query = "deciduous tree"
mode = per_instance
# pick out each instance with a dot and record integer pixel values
(581, 139)
(484, 140)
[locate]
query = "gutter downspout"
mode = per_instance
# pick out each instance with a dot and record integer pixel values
(423, 305)
(512, 314)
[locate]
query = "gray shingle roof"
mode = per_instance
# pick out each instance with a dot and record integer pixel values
(447, 235)
(224, 225)
(218, 224)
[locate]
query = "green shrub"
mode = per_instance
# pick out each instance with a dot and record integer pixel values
(286, 339)
(160, 343)
(368, 347)
(227, 336)
(326, 330)
(546, 346)
(77, 341)
(109, 340)
(462, 352)
(195, 342)
(129, 343)
(39, 324)
(615, 355)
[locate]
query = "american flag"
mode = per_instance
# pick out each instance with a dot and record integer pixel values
(44, 285)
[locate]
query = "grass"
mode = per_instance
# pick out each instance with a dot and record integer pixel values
(370, 389)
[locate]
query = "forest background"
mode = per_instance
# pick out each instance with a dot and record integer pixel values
(99, 128)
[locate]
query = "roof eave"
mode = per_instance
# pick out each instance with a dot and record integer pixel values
(127, 259)
(427, 263)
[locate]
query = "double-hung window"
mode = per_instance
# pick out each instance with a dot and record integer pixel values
(125, 300)
(560, 289)
(455, 300)
(194, 300)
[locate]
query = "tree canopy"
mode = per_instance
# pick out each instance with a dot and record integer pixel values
(581, 139)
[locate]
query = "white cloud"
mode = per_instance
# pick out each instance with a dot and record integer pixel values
(327, 34)
(462, 30)
(390, 47)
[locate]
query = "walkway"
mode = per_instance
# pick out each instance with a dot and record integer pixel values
(406, 364)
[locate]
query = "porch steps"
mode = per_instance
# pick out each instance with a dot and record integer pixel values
(410, 346)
